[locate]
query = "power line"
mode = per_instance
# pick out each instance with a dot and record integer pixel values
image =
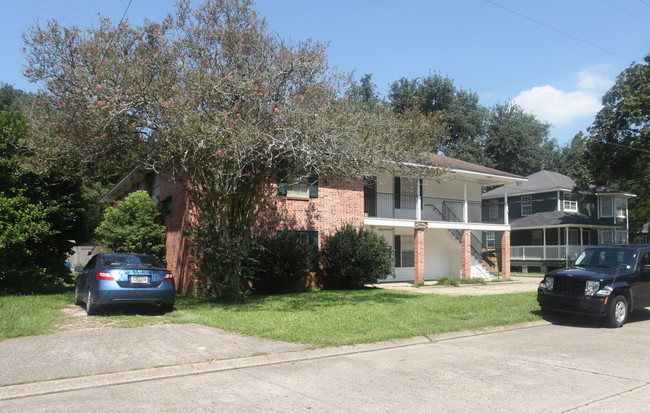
(627, 147)
(560, 31)
(626, 11)
(51, 10)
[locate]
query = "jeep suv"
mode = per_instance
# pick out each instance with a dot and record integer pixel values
(604, 281)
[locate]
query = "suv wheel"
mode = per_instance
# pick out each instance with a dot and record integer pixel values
(617, 314)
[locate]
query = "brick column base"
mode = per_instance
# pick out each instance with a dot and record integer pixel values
(505, 255)
(418, 236)
(466, 254)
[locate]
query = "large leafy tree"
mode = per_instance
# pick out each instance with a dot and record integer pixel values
(39, 214)
(215, 97)
(618, 146)
(517, 142)
(459, 109)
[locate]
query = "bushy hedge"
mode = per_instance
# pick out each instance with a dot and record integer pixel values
(133, 225)
(353, 257)
(277, 263)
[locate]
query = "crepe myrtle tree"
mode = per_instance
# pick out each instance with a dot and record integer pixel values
(215, 97)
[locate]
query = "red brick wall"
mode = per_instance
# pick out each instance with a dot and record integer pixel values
(180, 251)
(420, 227)
(339, 201)
(466, 254)
(505, 255)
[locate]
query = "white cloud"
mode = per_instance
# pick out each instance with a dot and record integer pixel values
(561, 108)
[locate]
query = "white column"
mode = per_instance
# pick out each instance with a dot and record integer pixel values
(544, 240)
(566, 243)
(465, 212)
(506, 210)
(418, 202)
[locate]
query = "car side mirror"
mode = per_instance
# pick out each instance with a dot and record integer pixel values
(78, 269)
(645, 270)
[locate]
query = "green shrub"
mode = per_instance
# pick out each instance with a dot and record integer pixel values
(277, 263)
(352, 257)
(133, 225)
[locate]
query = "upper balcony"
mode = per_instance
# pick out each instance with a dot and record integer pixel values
(404, 207)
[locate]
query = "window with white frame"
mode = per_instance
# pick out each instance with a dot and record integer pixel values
(297, 188)
(621, 207)
(621, 237)
(489, 240)
(404, 246)
(493, 207)
(574, 237)
(606, 206)
(570, 203)
(526, 205)
(606, 236)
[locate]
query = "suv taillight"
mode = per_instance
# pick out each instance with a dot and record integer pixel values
(169, 277)
(104, 275)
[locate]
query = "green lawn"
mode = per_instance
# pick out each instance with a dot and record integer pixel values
(334, 318)
(30, 315)
(320, 318)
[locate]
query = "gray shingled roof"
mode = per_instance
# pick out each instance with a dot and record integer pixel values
(559, 219)
(542, 181)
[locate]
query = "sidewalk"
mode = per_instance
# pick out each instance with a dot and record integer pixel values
(517, 284)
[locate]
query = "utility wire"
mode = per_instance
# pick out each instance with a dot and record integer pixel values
(560, 31)
(626, 11)
(51, 10)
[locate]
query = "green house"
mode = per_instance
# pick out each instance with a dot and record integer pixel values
(552, 222)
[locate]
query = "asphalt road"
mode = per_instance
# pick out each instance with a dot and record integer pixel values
(572, 365)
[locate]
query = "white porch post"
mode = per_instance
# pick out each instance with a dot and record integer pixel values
(465, 212)
(566, 243)
(418, 202)
(506, 210)
(544, 240)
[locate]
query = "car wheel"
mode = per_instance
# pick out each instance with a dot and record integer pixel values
(91, 308)
(617, 314)
(77, 300)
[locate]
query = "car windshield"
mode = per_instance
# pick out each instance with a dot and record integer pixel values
(606, 257)
(125, 260)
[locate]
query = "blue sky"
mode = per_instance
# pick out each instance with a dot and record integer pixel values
(555, 58)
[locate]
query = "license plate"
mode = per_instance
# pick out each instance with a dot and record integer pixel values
(139, 279)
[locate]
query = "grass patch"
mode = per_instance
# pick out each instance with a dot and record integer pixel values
(457, 281)
(335, 318)
(30, 315)
(319, 318)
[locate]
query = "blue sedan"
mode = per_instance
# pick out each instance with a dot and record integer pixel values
(112, 279)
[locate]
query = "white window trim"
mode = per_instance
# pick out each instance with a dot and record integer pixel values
(600, 209)
(624, 209)
(528, 204)
(625, 237)
(493, 209)
(297, 188)
(602, 236)
(490, 240)
(570, 204)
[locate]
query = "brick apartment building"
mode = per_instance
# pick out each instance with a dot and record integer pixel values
(435, 226)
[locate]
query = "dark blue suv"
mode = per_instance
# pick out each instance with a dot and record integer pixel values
(604, 281)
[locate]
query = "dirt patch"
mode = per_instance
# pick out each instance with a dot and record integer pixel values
(74, 318)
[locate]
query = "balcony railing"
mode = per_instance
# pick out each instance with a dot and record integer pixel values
(433, 209)
(549, 252)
